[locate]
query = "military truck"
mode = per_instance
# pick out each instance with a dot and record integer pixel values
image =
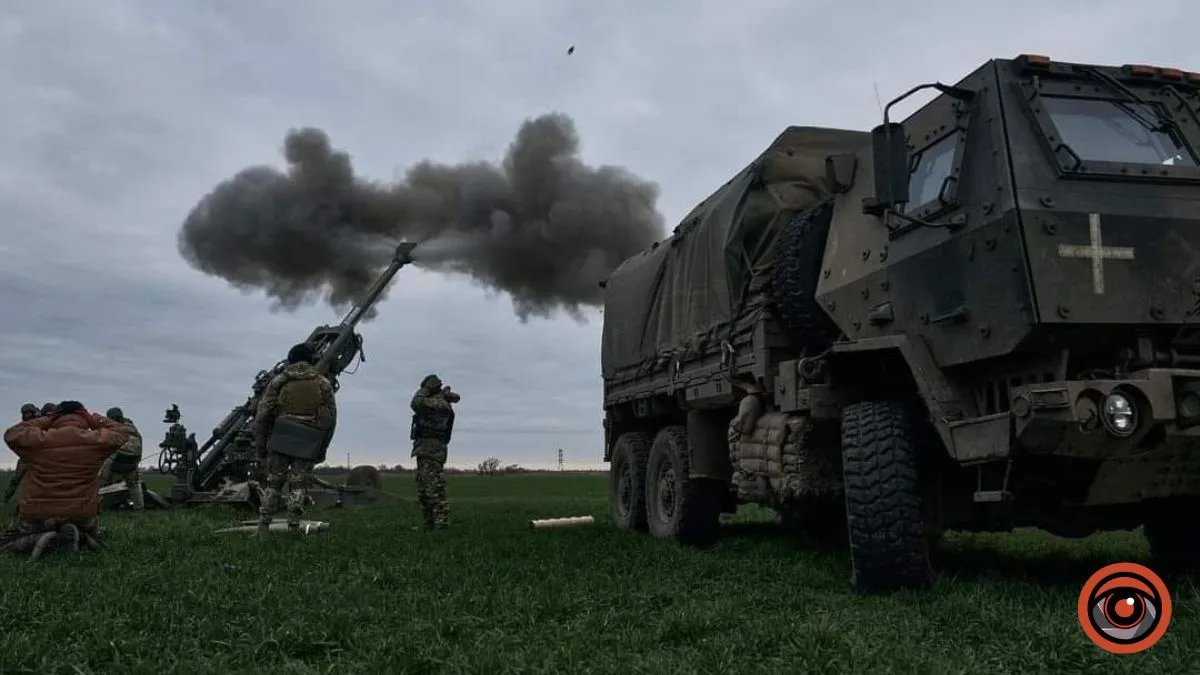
(982, 317)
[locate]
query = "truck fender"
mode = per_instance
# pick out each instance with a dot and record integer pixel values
(940, 397)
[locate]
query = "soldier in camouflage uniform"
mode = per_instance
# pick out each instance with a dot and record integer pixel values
(433, 421)
(124, 462)
(28, 412)
(302, 395)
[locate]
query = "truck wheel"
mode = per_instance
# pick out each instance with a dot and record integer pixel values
(795, 273)
(1174, 535)
(678, 506)
(884, 518)
(627, 481)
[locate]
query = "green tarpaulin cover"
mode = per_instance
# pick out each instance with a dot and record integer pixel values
(684, 288)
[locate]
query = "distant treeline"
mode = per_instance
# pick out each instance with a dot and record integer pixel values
(485, 468)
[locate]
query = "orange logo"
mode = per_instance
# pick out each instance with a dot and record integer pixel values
(1124, 608)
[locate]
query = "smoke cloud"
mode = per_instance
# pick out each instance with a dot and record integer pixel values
(541, 226)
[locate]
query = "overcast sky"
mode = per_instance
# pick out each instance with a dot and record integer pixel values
(119, 115)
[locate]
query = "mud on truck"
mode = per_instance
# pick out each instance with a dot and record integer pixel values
(980, 318)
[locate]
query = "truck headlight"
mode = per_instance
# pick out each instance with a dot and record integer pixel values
(1120, 415)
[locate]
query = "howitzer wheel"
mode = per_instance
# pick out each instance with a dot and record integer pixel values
(365, 475)
(166, 462)
(795, 274)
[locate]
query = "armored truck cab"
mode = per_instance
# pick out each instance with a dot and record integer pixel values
(979, 318)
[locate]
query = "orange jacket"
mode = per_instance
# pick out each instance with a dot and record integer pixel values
(64, 454)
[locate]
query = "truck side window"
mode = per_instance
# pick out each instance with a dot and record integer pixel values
(1100, 130)
(931, 167)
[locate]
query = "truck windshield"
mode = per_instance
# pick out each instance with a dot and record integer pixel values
(1104, 131)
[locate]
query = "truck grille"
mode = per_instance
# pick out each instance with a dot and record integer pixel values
(993, 396)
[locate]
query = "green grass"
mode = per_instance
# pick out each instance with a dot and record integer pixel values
(491, 596)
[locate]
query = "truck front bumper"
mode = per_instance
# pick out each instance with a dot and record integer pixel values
(1144, 430)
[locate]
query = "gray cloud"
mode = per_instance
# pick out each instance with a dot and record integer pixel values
(120, 115)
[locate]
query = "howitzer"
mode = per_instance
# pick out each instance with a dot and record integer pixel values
(227, 458)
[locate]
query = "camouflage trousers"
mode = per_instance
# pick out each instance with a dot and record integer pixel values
(133, 483)
(18, 475)
(298, 475)
(431, 492)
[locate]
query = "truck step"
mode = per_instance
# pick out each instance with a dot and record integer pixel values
(993, 496)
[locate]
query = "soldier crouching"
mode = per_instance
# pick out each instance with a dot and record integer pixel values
(293, 426)
(432, 424)
(124, 462)
(29, 411)
(61, 500)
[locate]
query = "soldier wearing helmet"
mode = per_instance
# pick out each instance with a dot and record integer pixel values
(293, 427)
(29, 411)
(432, 424)
(124, 462)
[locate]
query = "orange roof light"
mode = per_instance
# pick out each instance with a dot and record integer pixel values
(1140, 70)
(1171, 73)
(1036, 60)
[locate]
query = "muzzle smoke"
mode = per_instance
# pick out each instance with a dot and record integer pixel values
(541, 226)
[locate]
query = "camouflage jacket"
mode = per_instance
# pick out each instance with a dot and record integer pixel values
(433, 416)
(300, 392)
(133, 446)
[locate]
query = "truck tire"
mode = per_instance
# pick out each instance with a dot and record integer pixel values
(627, 481)
(795, 273)
(1174, 535)
(884, 519)
(678, 506)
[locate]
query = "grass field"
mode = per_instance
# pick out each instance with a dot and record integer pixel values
(491, 596)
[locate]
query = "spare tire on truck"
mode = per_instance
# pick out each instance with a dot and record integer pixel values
(795, 273)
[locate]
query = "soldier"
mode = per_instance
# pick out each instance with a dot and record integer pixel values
(124, 463)
(432, 424)
(48, 409)
(64, 451)
(293, 426)
(29, 411)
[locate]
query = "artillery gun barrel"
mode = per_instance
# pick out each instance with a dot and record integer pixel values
(329, 355)
(335, 347)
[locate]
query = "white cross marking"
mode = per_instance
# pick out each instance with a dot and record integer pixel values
(1096, 252)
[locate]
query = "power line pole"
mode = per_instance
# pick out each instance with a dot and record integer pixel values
(560, 459)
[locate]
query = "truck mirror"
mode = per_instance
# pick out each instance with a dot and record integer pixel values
(890, 152)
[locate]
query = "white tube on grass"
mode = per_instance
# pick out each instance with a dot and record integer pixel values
(549, 523)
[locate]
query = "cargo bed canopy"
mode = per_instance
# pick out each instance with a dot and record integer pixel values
(681, 290)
